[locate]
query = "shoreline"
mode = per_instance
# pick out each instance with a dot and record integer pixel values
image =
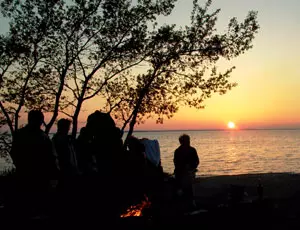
(282, 185)
(275, 185)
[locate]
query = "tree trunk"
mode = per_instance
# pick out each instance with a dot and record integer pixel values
(135, 113)
(131, 125)
(56, 107)
(78, 107)
(75, 118)
(138, 105)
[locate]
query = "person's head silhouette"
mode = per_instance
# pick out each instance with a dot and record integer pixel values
(135, 145)
(35, 118)
(99, 123)
(184, 140)
(83, 131)
(63, 126)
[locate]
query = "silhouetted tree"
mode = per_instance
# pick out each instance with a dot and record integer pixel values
(177, 66)
(76, 47)
(59, 54)
(117, 33)
(21, 81)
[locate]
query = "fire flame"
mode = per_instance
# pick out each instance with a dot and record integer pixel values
(136, 210)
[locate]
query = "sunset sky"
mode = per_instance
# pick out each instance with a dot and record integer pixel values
(268, 76)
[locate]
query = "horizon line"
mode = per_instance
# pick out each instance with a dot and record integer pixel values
(174, 130)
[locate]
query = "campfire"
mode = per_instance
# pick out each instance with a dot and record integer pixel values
(137, 210)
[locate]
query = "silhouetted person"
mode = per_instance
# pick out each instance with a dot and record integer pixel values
(186, 161)
(65, 150)
(86, 161)
(135, 169)
(106, 141)
(68, 183)
(154, 175)
(32, 154)
(107, 147)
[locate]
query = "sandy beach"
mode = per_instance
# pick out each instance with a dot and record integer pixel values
(279, 208)
(275, 185)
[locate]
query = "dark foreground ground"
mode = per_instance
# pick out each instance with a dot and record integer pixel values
(223, 202)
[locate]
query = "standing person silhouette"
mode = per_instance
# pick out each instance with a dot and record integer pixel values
(35, 161)
(186, 161)
(107, 147)
(65, 149)
(68, 184)
(86, 161)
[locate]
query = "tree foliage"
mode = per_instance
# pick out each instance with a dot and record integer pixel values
(181, 67)
(59, 54)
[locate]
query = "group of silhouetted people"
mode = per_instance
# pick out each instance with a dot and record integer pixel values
(92, 172)
(93, 175)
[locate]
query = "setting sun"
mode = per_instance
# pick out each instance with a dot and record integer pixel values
(231, 125)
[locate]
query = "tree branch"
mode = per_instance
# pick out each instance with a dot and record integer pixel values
(8, 120)
(126, 120)
(114, 106)
(67, 114)
(22, 99)
(75, 78)
(82, 68)
(4, 71)
(113, 75)
(72, 90)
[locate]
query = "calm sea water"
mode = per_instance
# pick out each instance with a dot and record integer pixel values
(233, 152)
